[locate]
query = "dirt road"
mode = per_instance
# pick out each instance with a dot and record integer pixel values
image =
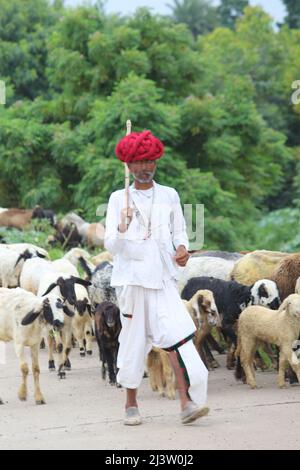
(84, 413)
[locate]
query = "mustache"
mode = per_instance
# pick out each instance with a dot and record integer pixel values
(144, 176)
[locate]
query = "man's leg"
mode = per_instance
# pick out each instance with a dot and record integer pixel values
(181, 382)
(190, 411)
(132, 414)
(131, 394)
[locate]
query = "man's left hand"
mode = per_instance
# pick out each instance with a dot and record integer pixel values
(181, 256)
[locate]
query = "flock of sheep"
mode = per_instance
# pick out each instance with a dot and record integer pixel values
(242, 302)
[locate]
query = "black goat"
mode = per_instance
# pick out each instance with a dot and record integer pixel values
(231, 298)
(107, 329)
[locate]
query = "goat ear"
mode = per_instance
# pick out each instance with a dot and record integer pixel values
(82, 282)
(39, 255)
(26, 255)
(48, 315)
(50, 288)
(29, 318)
(68, 312)
(200, 299)
(18, 260)
(85, 267)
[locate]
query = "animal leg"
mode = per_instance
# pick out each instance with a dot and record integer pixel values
(281, 370)
(168, 375)
(25, 371)
(88, 339)
(50, 351)
(39, 399)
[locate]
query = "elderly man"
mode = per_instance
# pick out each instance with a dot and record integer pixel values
(149, 242)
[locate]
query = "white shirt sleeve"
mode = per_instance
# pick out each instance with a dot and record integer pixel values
(112, 241)
(116, 242)
(179, 234)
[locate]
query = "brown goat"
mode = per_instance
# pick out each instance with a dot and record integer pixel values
(286, 275)
(204, 312)
(19, 218)
(161, 375)
(16, 218)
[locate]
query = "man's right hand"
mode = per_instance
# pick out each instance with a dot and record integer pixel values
(126, 218)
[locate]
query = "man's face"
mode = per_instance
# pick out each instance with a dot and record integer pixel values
(143, 171)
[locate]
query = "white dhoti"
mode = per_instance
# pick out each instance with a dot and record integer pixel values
(157, 317)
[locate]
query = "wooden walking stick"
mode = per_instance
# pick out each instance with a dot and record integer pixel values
(127, 177)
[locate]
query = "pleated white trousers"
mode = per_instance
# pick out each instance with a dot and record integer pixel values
(157, 317)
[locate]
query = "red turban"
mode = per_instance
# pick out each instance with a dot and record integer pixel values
(139, 146)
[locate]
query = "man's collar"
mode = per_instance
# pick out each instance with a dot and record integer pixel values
(133, 189)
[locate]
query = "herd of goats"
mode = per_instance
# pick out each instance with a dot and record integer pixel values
(71, 231)
(245, 303)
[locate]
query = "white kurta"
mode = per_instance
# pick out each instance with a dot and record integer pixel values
(144, 275)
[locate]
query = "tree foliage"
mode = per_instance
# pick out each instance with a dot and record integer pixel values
(293, 13)
(219, 97)
(200, 15)
(230, 11)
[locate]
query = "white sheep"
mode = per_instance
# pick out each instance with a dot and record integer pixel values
(32, 273)
(204, 266)
(64, 266)
(76, 297)
(82, 323)
(21, 247)
(23, 317)
(36, 269)
(280, 327)
(11, 265)
(74, 254)
(60, 277)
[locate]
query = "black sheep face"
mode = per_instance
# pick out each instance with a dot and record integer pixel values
(38, 213)
(67, 290)
(111, 315)
(53, 312)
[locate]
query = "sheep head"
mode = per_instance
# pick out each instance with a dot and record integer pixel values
(291, 305)
(265, 293)
(204, 306)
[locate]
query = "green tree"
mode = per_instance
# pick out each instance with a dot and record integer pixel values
(293, 13)
(230, 11)
(24, 28)
(199, 15)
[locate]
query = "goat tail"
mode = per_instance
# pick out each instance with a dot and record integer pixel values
(85, 267)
